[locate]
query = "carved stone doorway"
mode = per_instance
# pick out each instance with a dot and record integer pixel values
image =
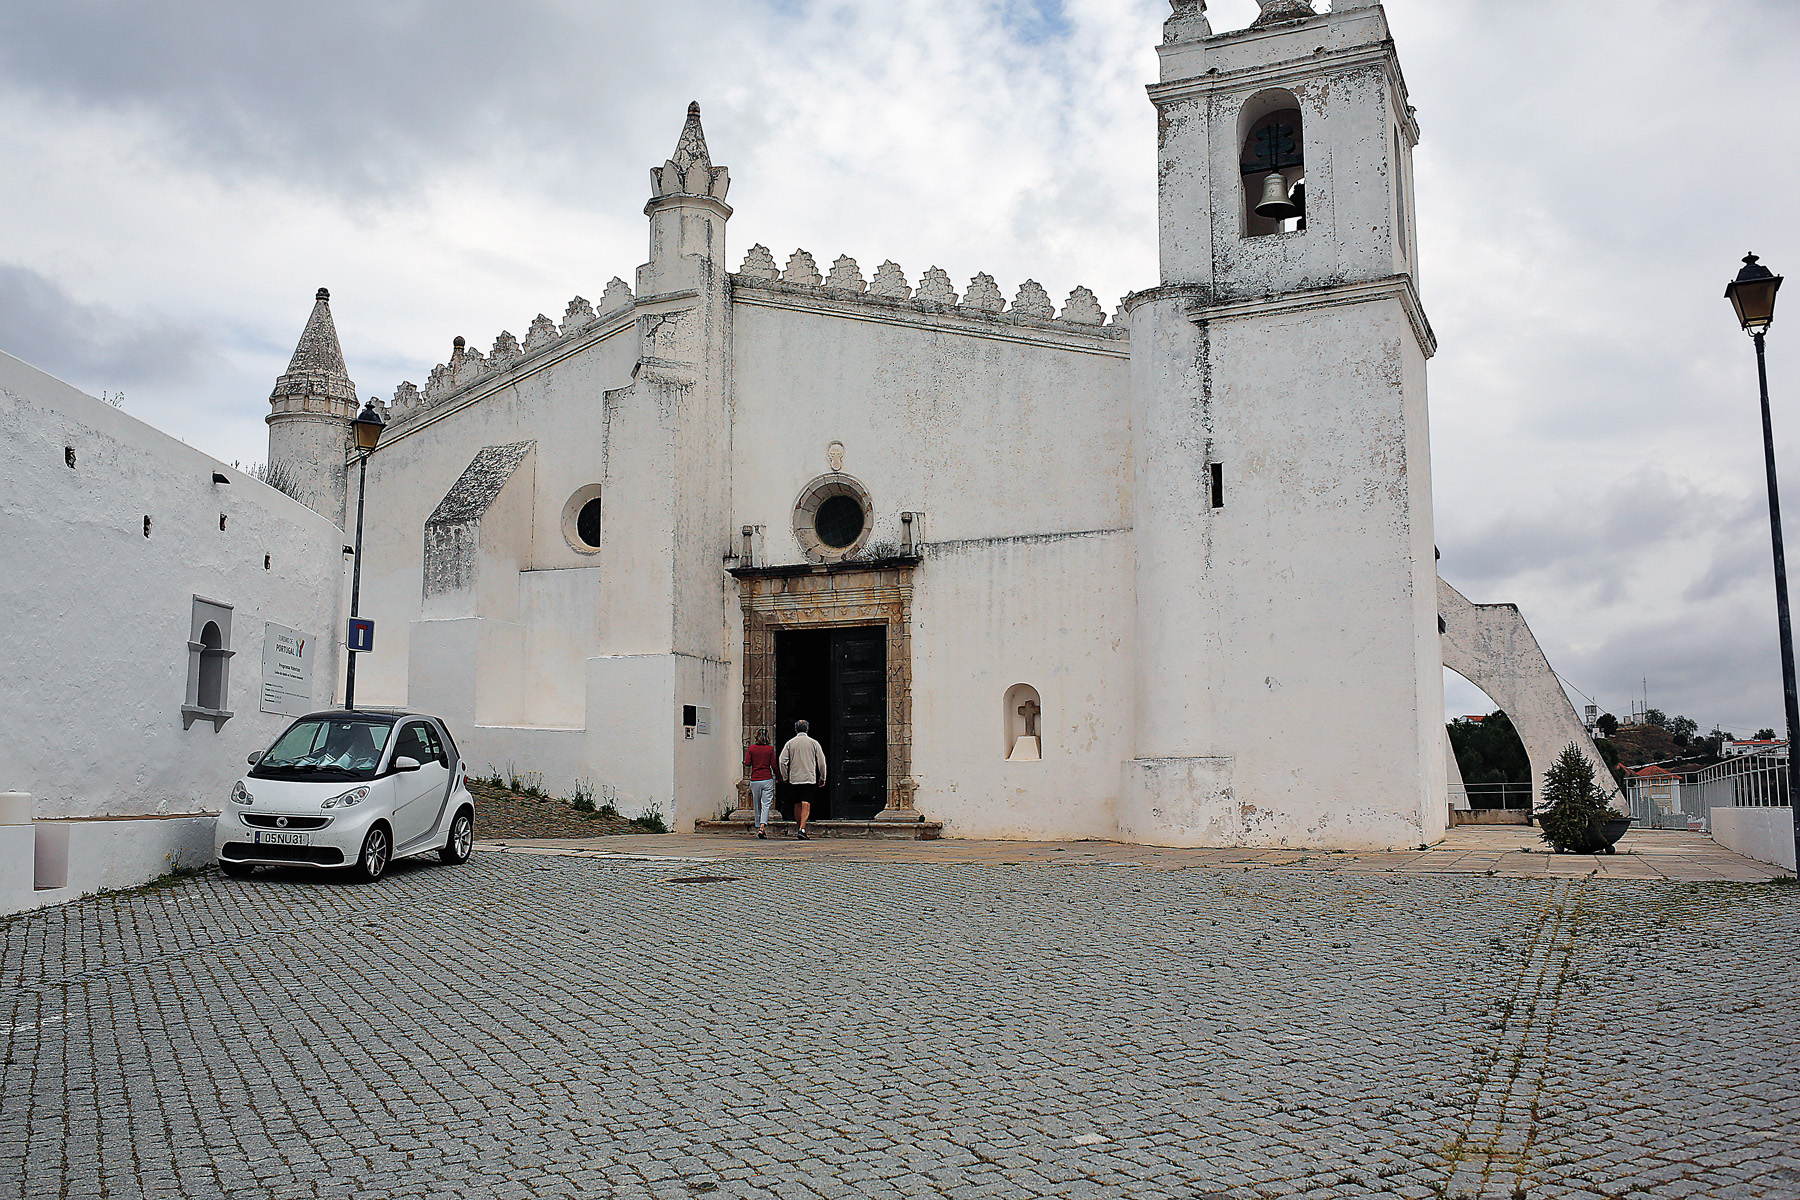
(864, 600)
(836, 680)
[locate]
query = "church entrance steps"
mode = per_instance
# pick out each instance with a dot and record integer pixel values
(887, 831)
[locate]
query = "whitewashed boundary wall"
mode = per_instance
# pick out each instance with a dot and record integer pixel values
(116, 537)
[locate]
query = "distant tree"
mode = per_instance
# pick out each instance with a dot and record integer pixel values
(1765, 735)
(1573, 806)
(1609, 754)
(1684, 729)
(1607, 725)
(1656, 717)
(1489, 751)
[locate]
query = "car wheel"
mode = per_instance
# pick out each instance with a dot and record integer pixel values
(236, 870)
(372, 861)
(462, 839)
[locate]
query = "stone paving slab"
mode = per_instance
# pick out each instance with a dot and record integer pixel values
(1510, 852)
(565, 1025)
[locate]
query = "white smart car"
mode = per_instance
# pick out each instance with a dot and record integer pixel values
(349, 789)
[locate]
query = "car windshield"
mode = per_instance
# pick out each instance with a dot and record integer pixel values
(326, 748)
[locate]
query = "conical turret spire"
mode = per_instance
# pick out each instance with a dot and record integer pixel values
(318, 349)
(691, 148)
(310, 412)
(690, 171)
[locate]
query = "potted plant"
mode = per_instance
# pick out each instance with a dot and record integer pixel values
(1575, 817)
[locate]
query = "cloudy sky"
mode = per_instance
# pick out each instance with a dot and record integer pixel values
(180, 177)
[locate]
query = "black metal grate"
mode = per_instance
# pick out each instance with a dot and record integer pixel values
(271, 821)
(322, 856)
(839, 522)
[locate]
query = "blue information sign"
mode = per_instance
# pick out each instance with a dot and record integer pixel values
(362, 634)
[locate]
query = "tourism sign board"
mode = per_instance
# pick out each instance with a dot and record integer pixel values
(287, 670)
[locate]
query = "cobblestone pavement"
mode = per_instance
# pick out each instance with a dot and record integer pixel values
(560, 1026)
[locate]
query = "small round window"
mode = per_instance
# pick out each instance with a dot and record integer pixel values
(839, 521)
(581, 520)
(587, 524)
(832, 518)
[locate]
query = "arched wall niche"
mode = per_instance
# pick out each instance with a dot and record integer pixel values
(212, 667)
(1271, 138)
(1022, 716)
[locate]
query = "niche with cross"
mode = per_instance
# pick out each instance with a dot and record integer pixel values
(1024, 724)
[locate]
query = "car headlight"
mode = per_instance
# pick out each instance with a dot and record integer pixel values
(349, 799)
(239, 795)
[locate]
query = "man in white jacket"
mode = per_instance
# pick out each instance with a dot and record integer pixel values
(802, 765)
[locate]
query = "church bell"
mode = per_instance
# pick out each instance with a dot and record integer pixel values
(1275, 204)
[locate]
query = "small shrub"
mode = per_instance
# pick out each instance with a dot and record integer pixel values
(279, 473)
(652, 820)
(582, 798)
(534, 785)
(492, 778)
(513, 782)
(1573, 806)
(609, 809)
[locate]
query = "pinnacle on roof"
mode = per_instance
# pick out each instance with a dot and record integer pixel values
(690, 171)
(318, 349)
(691, 148)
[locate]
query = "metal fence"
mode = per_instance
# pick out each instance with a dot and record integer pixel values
(1687, 801)
(1493, 795)
(1752, 781)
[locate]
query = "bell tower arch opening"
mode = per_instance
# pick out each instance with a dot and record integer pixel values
(1272, 164)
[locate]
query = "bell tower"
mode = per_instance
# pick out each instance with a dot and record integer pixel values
(1289, 677)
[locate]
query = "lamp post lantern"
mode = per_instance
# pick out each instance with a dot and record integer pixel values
(367, 428)
(1752, 296)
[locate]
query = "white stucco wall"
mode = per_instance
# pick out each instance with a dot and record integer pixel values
(95, 647)
(1765, 834)
(1013, 442)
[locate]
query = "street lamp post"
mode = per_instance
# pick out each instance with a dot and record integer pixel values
(1752, 296)
(367, 427)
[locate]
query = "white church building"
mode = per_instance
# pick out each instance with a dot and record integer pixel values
(1029, 570)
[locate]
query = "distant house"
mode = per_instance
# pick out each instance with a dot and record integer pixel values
(1656, 785)
(1776, 746)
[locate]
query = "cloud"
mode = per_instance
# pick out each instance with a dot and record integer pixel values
(92, 345)
(193, 171)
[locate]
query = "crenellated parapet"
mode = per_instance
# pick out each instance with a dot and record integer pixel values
(1030, 304)
(469, 368)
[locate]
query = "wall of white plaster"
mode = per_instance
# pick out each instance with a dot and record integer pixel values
(99, 616)
(89, 856)
(561, 405)
(989, 427)
(1765, 834)
(1013, 442)
(1053, 613)
(1310, 591)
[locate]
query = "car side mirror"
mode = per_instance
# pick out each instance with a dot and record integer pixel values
(406, 764)
(254, 757)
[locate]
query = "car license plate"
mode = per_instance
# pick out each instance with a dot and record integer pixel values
(274, 837)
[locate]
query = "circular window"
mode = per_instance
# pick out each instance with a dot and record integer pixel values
(839, 521)
(587, 524)
(833, 518)
(581, 520)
